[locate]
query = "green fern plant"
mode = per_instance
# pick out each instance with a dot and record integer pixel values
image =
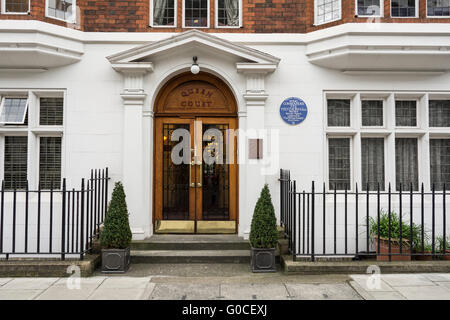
(395, 228)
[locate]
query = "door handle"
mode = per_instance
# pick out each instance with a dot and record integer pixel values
(192, 184)
(199, 184)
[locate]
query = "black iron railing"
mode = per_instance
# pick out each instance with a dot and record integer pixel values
(53, 223)
(347, 223)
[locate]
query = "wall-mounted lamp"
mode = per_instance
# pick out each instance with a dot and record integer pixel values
(195, 69)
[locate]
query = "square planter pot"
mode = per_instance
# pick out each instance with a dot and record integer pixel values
(395, 249)
(263, 260)
(115, 260)
(447, 255)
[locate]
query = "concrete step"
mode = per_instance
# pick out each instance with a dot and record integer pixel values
(190, 256)
(23, 267)
(191, 242)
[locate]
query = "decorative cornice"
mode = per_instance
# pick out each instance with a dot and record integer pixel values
(256, 68)
(255, 98)
(136, 98)
(148, 114)
(133, 67)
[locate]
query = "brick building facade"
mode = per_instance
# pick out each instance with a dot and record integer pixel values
(114, 80)
(258, 16)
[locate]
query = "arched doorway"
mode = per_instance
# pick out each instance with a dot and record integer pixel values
(195, 162)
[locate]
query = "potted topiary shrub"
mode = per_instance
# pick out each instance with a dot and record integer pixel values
(115, 237)
(383, 237)
(263, 234)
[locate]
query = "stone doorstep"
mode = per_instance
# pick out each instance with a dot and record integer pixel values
(47, 267)
(190, 256)
(360, 267)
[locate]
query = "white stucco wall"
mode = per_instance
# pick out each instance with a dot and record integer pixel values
(94, 111)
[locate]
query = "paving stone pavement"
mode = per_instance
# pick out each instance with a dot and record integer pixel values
(426, 286)
(241, 287)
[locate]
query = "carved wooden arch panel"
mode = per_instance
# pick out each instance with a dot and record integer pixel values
(200, 95)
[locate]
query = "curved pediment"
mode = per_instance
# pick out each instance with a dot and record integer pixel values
(195, 94)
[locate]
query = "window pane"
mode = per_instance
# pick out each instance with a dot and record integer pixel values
(196, 13)
(14, 110)
(328, 10)
(51, 111)
(228, 13)
(372, 112)
(406, 163)
(15, 167)
(16, 5)
(164, 12)
(339, 163)
(50, 162)
(438, 8)
(61, 9)
(439, 113)
(440, 163)
(372, 163)
(405, 113)
(369, 7)
(338, 113)
(403, 8)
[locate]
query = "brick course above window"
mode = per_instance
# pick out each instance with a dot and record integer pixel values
(258, 16)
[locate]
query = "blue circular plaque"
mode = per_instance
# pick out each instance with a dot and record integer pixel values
(293, 110)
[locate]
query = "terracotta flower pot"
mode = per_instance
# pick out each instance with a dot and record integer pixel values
(426, 257)
(447, 255)
(383, 250)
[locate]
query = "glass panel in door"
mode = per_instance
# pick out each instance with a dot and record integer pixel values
(215, 173)
(175, 176)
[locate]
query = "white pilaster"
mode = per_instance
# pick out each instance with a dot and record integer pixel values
(134, 171)
(251, 171)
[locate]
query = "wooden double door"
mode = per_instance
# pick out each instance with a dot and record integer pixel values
(195, 185)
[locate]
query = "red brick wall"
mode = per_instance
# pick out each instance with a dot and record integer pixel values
(37, 12)
(259, 16)
(348, 15)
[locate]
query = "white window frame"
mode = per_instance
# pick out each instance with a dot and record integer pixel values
(175, 21)
(34, 130)
(338, 97)
(365, 135)
(434, 17)
(316, 23)
(418, 122)
(38, 154)
(208, 20)
(422, 132)
(3, 9)
(370, 16)
(384, 113)
(434, 99)
(352, 165)
(73, 19)
(216, 16)
(38, 112)
(24, 114)
(416, 13)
